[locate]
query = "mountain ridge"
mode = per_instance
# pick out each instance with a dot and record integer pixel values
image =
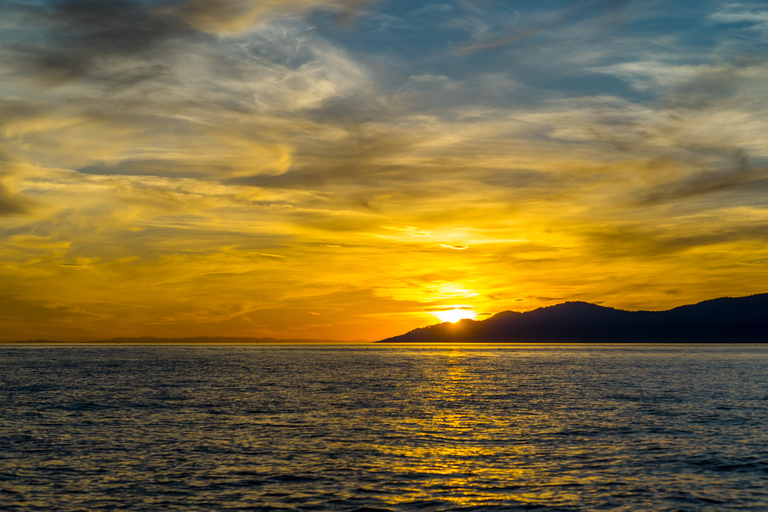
(723, 319)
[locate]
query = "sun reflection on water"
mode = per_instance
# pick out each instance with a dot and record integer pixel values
(459, 449)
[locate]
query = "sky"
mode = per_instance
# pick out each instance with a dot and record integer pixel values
(356, 169)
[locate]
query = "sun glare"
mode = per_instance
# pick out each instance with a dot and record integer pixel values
(454, 315)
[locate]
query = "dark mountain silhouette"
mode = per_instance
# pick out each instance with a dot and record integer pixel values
(724, 320)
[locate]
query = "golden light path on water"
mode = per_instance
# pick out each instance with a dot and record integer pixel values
(460, 450)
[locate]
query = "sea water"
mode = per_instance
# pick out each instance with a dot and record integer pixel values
(384, 427)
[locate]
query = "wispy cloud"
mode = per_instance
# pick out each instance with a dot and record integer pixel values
(754, 17)
(607, 11)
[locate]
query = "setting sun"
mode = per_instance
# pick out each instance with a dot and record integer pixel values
(454, 315)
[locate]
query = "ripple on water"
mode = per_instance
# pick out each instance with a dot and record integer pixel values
(384, 428)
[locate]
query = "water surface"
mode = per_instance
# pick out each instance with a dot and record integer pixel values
(373, 427)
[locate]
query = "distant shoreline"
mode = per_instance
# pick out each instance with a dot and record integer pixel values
(188, 341)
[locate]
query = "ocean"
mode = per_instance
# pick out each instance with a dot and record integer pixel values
(384, 427)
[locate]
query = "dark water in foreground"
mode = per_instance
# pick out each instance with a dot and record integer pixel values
(360, 427)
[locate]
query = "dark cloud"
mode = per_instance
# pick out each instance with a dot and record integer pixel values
(639, 241)
(734, 174)
(119, 42)
(10, 205)
(705, 183)
(751, 232)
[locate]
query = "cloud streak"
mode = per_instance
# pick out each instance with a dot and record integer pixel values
(609, 11)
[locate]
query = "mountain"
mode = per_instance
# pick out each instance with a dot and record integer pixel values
(724, 320)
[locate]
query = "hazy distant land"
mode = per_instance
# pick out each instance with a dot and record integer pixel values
(723, 320)
(203, 340)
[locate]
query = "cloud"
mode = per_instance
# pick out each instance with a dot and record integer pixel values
(118, 43)
(448, 308)
(740, 14)
(609, 11)
(237, 15)
(200, 164)
(634, 240)
(741, 180)
(221, 106)
(10, 205)
(123, 43)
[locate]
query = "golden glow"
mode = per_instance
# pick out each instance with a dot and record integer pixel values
(267, 182)
(454, 315)
(452, 445)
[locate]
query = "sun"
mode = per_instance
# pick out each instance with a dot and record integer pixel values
(454, 315)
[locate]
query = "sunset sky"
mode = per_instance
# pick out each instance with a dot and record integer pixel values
(350, 169)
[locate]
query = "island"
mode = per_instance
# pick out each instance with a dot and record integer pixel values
(722, 320)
